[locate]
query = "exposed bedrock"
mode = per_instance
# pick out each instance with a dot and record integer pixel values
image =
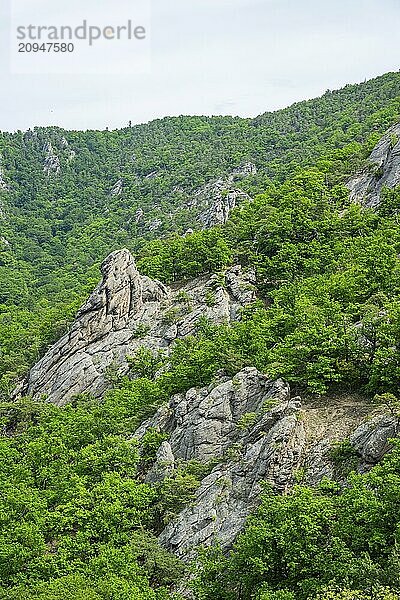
(128, 310)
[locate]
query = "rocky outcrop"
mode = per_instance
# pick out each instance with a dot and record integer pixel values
(220, 200)
(139, 215)
(243, 430)
(51, 162)
(56, 153)
(152, 175)
(70, 154)
(249, 430)
(245, 170)
(364, 448)
(117, 188)
(209, 205)
(249, 425)
(203, 424)
(3, 183)
(154, 225)
(128, 310)
(217, 199)
(383, 170)
(371, 439)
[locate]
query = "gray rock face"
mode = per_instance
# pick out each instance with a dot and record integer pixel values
(248, 424)
(164, 464)
(383, 171)
(370, 442)
(274, 451)
(139, 215)
(51, 162)
(209, 205)
(218, 198)
(245, 170)
(152, 175)
(154, 225)
(69, 153)
(249, 430)
(117, 188)
(128, 310)
(371, 439)
(3, 183)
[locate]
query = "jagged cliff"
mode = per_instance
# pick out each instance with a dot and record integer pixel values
(128, 310)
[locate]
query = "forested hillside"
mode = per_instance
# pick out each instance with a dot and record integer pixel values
(61, 212)
(79, 518)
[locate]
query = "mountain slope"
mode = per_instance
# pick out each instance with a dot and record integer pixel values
(69, 198)
(259, 398)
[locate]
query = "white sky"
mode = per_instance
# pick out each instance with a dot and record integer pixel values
(240, 57)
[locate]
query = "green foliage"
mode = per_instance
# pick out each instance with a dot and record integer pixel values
(342, 451)
(345, 458)
(75, 514)
(183, 297)
(390, 402)
(146, 364)
(179, 258)
(378, 593)
(313, 540)
(328, 273)
(210, 299)
(173, 493)
(149, 445)
(246, 421)
(171, 316)
(141, 331)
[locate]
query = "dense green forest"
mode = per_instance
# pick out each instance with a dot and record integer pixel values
(78, 519)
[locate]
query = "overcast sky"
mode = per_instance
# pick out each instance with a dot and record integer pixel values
(238, 57)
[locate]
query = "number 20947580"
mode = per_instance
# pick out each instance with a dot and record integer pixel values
(46, 47)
